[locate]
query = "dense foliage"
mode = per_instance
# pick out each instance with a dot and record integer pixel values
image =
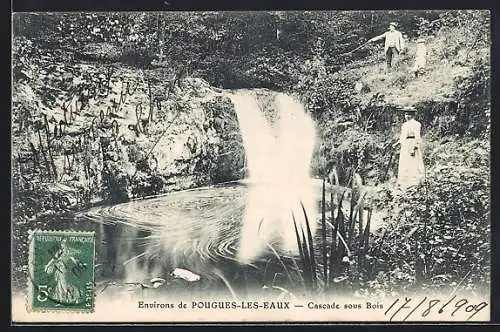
(442, 224)
(440, 236)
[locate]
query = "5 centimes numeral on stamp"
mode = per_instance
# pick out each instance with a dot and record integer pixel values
(61, 271)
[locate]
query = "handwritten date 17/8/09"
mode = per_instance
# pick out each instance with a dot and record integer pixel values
(407, 307)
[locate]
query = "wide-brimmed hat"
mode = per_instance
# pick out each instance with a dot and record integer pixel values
(394, 24)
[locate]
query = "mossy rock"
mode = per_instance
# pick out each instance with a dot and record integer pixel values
(101, 52)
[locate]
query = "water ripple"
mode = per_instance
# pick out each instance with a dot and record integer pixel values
(192, 228)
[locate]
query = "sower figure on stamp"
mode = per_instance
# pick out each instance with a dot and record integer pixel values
(411, 164)
(62, 291)
(394, 44)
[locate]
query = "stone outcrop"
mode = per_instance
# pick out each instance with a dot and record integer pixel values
(120, 133)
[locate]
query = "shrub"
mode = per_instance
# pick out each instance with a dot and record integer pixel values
(24, 54)
(474, 100)
(115, 183)
(140, 57)
(440, 236)
(104, 52)
(143, 184)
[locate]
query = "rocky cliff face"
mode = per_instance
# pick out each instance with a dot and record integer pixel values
(87, 133)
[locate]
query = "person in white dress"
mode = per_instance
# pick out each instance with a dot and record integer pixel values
(411, 164)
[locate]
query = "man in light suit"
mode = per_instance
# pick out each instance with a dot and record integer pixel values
(394, 43)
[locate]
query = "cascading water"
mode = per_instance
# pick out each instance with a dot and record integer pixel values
(212, 227)
(278, 172)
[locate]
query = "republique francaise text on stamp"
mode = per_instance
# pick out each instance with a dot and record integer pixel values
(61, 271)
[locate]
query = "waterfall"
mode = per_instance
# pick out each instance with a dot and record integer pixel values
(278, 173)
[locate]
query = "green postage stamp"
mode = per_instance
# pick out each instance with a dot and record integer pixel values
(61, 271)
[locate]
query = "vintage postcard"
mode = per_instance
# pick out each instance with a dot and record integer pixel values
(259, 166)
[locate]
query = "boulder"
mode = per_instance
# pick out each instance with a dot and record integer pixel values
(185, 274)
(101, 52)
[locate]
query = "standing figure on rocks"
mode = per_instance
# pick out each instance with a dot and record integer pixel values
(411, 164)
(394, 44)
(420, 57)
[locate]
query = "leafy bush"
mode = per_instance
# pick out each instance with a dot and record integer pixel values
(24, 55)
(474, 100)
(143, 184)
(468, 113)
(104, 52)
(440, 236)
(140, 57)
(456, 31)
(76, 29)
(115, 183)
